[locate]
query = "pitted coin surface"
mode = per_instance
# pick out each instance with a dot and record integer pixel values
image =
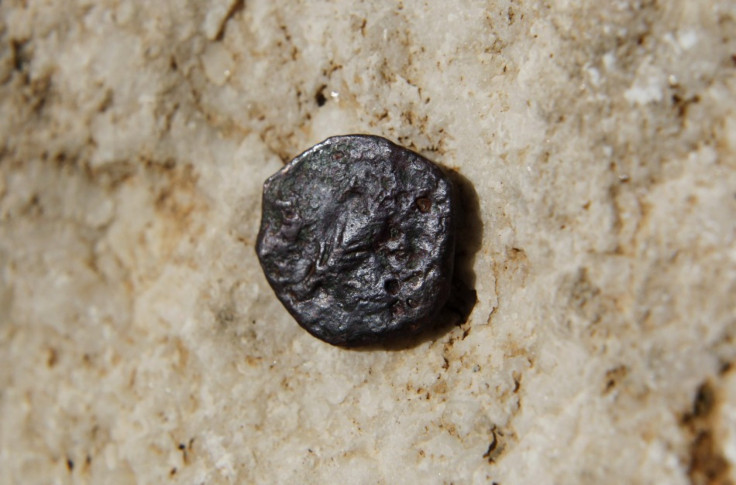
(357, 239)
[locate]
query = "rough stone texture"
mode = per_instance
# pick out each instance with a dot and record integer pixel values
(139, 340)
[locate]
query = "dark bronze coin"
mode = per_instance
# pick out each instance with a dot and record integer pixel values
(357, 239)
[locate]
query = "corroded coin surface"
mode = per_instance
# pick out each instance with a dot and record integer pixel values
(357, 239)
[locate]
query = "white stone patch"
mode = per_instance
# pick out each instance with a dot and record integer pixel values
(647, 87)
(687, 38)
(593, 74)
(218, 63)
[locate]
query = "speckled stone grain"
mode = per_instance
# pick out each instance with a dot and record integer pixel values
(141, 343)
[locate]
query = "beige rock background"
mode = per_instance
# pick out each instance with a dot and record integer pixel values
(140, 342)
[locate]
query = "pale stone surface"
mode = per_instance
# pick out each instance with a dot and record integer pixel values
(139, 341)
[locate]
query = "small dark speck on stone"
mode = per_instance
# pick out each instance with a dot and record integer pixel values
(173, 471)
(320, 96)
(182, 446)
(70, 464)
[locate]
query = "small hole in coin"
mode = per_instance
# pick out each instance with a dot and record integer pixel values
(290, 214)
(424, 204)
(391, 286)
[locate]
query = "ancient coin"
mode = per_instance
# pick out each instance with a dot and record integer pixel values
(357, 239)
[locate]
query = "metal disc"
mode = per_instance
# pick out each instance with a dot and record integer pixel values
(357, 239)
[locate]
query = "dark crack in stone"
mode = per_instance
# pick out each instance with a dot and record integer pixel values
(357, 239)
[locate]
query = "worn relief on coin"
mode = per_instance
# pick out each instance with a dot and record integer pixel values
(357, 239)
